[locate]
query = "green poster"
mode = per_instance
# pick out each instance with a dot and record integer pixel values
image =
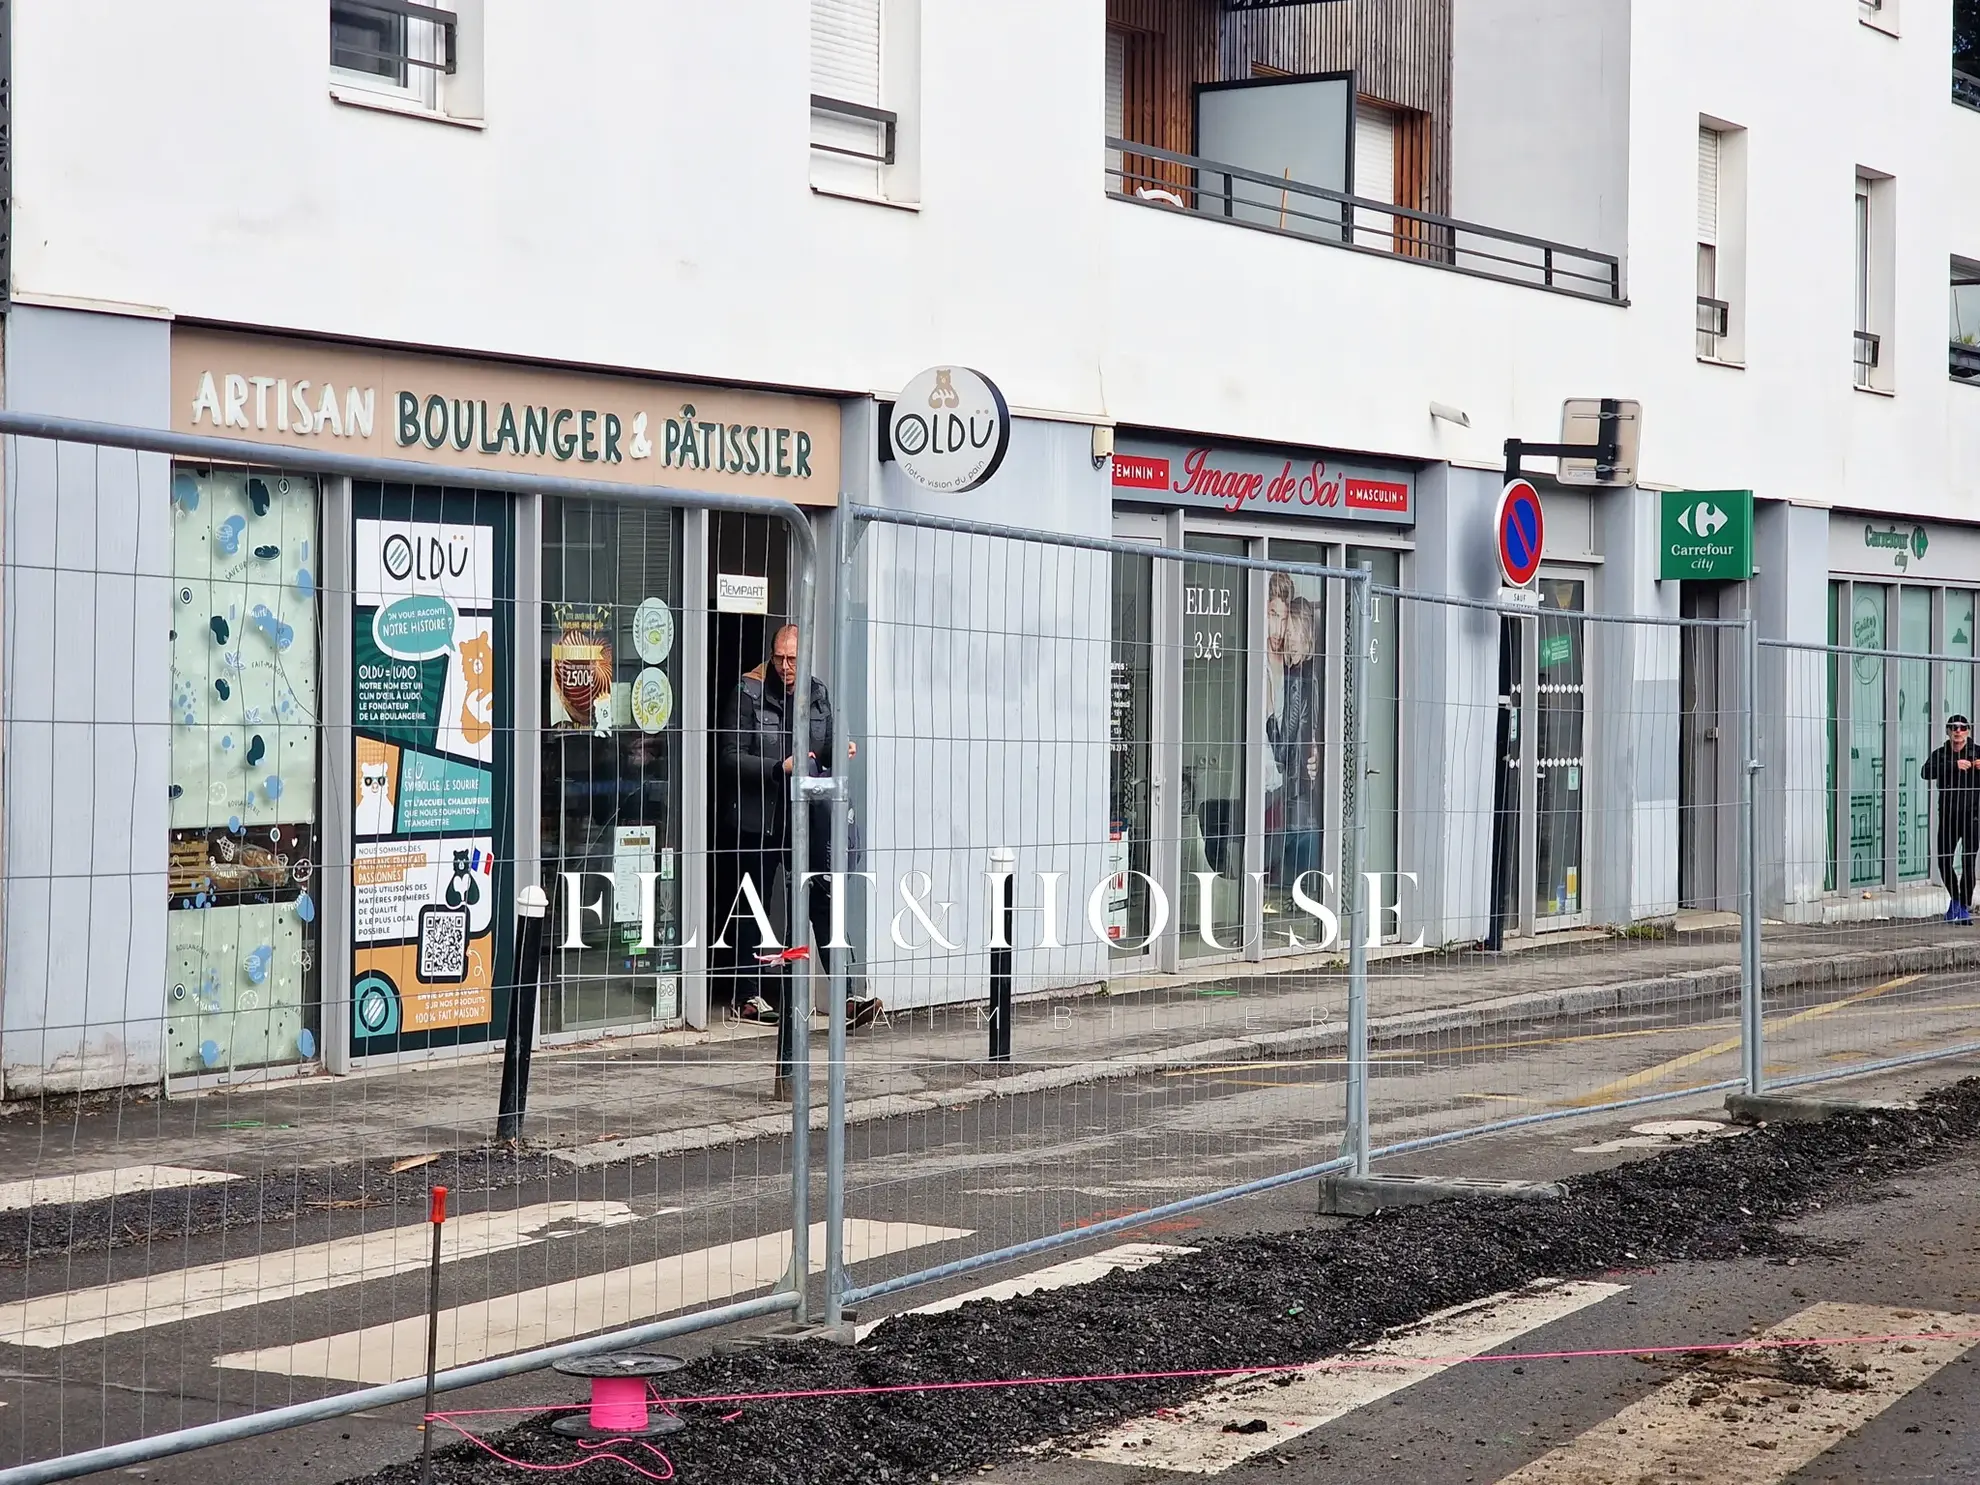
(398, 700)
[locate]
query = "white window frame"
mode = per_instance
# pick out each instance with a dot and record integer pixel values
(1721, 238)
(891, 95)
(1879, 15)
(1873, 285)
(428, 92)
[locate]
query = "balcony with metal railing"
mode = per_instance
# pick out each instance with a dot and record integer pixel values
(1167, 180)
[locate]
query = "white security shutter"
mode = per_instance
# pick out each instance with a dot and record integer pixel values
(845, 64)
(1116, 82)
(1116, 108)
(845, 50)
(1708, 186)
(1374, 154)
(1374, 174)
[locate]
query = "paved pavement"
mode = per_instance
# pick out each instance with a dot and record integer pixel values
(140, 1339)
(666, 1093)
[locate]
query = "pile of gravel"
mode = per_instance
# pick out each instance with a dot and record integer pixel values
(1271, 1299)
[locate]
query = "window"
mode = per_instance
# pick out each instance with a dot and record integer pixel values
(1966, 53)
(1882, 15)
(1391, 164)
(1875, 249)
(408, 55)
(864, 85)
(1721, 318)
(1963, 331)
(1711, 308)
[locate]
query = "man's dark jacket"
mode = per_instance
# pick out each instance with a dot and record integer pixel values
(1959, 790)
(753, 740)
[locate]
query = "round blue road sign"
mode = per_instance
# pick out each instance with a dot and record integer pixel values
(1522, 532)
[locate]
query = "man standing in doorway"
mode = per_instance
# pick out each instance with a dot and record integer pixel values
(1955, 767)
(754, 752)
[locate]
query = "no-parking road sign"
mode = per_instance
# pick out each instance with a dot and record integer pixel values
(1522, 532)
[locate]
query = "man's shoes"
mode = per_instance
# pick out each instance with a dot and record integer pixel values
(1965, 914)
(756, 1008)
(863, 1011)
(1952, 910)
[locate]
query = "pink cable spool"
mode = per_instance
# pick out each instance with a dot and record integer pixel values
(620, 1397)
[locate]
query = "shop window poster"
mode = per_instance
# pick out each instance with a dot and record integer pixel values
(423, 862)
(241, 876)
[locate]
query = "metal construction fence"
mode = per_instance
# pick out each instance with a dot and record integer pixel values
(1170, 874)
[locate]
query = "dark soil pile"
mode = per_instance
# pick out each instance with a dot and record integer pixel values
(275, 1196)
(1272, 1299)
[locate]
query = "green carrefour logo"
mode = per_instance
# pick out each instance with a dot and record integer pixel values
(1905, 548)
(1707, 534)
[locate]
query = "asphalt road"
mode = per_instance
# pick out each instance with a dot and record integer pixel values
(990, 1175)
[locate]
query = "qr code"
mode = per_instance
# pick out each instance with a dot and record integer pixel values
(443, 944)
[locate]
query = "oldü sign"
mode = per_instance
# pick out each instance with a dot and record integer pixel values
(950, 429)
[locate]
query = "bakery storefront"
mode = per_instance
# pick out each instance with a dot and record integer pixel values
(395, 704)
(1228, 682)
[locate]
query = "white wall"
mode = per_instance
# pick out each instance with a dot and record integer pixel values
(87, 580)
(986, 694)
(639, 198)
(1540, 99)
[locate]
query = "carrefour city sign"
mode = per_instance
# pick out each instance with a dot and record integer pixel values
(1707, 534)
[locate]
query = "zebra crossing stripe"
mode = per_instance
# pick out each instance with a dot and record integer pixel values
(174, 1295)
(396, 1350)
(1203, 1438)
(94, 1185)
(1758, 1416)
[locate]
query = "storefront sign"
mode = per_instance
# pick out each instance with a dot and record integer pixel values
(738, 593)
(1706, 534)
(1262, 481)
(950, 429)
(460, 413)
(425, 673)
(1878, 546)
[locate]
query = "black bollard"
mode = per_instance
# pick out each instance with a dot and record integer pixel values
(532, 909)
(1003, 861)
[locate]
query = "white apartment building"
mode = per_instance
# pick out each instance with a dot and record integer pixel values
(704, 246)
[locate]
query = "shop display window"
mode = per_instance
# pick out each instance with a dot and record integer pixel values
(611, 751)
(241, 937)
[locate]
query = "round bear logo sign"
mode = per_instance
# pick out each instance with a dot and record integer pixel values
(950, 428)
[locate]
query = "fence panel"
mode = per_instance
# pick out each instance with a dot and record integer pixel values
(1864, 853)
(272, 718)
(1566, 798)
(1151, 736)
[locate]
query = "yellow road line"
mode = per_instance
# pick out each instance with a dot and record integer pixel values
(1622, 1086)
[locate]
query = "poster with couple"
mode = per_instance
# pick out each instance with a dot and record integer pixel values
(1295, 727)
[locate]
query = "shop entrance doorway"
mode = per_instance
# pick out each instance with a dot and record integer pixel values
(1706, 748)
(749, 601)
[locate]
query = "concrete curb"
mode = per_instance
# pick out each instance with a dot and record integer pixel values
(1538, 1005)
(1364, 1196)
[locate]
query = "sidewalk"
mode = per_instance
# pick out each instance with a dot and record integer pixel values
(630, 1097)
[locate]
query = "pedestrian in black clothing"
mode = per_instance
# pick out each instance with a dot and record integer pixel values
(1955, 767)
(754, 755)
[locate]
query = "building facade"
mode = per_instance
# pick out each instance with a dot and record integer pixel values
(705, 247)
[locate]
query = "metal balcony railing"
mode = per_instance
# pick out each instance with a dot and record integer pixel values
(883, 121)
(1868, 349)
(1963, 361)
(1714, 321)
(1164, 179)
(1966, 89)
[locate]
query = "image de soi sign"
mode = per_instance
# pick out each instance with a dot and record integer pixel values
(1257, 480)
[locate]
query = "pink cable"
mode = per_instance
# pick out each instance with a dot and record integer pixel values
(592, 1453)
(1785, 1343)
(1205, 1373)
